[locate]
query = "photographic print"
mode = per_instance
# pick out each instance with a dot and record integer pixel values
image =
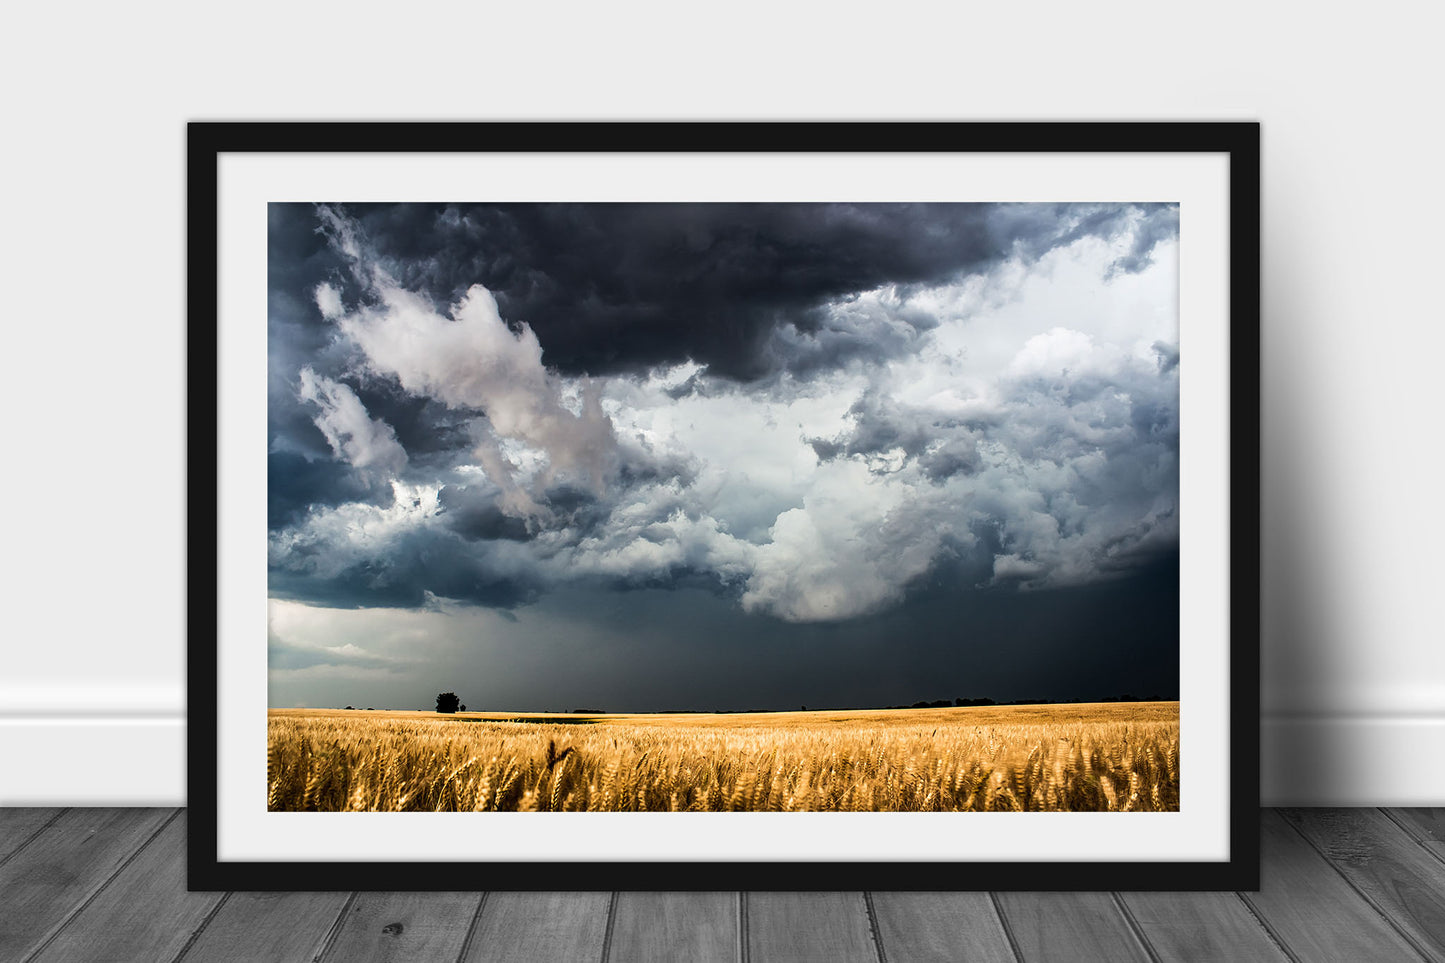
(724, 507)
(815, 506)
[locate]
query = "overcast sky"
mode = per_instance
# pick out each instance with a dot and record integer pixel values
(660, 456)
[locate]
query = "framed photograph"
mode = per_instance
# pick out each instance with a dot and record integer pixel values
(724, 506)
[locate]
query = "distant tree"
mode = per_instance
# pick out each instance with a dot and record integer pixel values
(462, 707)
(447, 702)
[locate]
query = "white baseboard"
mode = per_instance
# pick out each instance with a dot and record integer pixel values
(93, 761)
(1305, 761)
(1344, 760)
(92, 699)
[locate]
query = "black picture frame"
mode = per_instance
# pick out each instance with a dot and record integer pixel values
(208, 142)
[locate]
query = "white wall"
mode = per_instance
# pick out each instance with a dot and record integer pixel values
(93, 390)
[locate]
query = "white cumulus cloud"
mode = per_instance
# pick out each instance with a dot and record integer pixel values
(354, 436)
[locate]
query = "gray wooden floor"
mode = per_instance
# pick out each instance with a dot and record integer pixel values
(109, 885)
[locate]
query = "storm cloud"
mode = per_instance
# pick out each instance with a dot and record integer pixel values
(745, 289)
(815, 414)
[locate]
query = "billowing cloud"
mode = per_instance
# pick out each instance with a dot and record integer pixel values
(824, 411)
(356, 438)
(745, 289)
(468, 358)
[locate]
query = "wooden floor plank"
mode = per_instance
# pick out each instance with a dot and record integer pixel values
(19, 824)
(108, 884)
(1405, 883)
(1201, 926)
(540, 928)
(1427, 826)
(403, 927)
(809, 928)
(1311, 909)
(940, 928)
(144, 913)
(268, 928)
(65, 864)
(663, 927)
(1069, 927)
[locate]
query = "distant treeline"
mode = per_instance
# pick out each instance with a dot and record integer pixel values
(944, 703)
(923, 704)
(937, 704)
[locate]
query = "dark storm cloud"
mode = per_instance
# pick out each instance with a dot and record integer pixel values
(942, 446)
(741, 288)
(957, 456)
(998, 643)
(1159, 224)
(429, 443)
(414, 568)
(619, 287)
(474, 515)
(302, 470)
(746, 289)
(432, 433)
(298, 258)
(1168, 355)
(1036, 229)
(296, 483)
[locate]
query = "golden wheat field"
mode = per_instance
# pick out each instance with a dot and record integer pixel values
(1092, 757)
